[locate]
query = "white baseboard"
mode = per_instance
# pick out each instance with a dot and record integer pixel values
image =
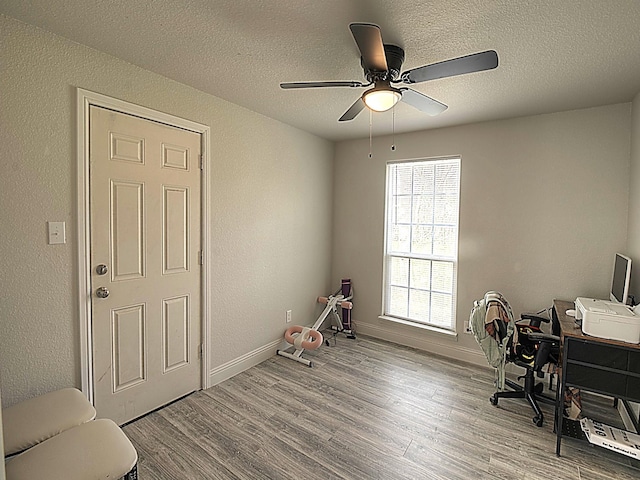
(250, 359)
(244, 362)
(457, 352)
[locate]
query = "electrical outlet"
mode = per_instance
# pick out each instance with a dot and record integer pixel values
(288, 316)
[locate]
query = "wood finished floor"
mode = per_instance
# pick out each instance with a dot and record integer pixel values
(366, 410)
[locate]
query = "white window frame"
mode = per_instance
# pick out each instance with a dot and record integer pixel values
(449, 328)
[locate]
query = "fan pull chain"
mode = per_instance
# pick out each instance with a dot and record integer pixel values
(370, 129)
(393, 129)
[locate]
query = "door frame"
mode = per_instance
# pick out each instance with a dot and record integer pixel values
(84, 100)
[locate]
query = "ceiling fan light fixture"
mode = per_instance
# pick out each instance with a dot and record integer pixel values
(381, 99)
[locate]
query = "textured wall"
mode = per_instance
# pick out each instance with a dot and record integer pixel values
(2, 472)
(633, 239)
(543, 208)
(270, 211)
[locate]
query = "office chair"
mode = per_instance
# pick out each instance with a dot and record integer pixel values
(520, 342)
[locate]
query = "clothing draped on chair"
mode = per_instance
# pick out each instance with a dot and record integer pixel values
(491, 324)
(505, 340)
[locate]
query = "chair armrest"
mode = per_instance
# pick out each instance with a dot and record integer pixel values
(534, 320)
(543, 337)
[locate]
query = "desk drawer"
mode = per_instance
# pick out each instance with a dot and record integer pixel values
(633, 389)
(591, 378)
(634, 362)
(633, 381)
(598, 354)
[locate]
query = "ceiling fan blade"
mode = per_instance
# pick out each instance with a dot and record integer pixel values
(369, 41)
(353, 111)
(423, 103)
(476, 62)
(290, 85)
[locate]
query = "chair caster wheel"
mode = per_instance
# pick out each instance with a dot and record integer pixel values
(538, 420)
(493, 399)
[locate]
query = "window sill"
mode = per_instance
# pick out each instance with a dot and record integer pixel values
(430, 328)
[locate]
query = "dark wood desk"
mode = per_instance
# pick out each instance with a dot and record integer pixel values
(608, 367)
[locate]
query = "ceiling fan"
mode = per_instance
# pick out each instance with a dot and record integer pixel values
(382, 63)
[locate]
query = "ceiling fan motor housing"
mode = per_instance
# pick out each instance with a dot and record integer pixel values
(395, 58)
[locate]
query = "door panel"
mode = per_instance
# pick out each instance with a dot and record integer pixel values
(176, 230)
(145, 227)
(175, 334)
(127, 230)
(129, 347)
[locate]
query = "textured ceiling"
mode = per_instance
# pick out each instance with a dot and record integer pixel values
(554, 55)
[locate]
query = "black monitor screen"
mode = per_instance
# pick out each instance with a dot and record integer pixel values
(621, 275)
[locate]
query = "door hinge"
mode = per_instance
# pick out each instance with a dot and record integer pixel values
(201, 160)
(200, 348)
(200, 257)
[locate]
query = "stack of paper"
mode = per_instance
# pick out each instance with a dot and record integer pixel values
(612, 438)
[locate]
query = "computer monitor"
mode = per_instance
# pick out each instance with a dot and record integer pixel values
(621, 277)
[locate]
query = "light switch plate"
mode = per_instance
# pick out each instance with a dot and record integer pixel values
(56, 233)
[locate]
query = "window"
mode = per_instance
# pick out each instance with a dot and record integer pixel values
(421, 247)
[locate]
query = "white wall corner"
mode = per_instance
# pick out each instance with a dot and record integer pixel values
(244, 362)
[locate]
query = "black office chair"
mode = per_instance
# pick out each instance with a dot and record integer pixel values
(521, 342)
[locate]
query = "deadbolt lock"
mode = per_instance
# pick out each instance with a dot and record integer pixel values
(102, 269)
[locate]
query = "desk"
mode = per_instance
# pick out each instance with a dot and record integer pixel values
(608, 367)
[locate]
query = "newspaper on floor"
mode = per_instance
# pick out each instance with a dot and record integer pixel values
(612, 438)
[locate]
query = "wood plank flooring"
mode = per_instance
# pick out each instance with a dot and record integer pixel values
(368, 409)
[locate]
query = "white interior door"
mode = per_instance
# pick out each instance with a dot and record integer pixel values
(145, 263)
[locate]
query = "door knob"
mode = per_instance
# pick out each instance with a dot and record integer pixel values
(102, 292)
(102, 269)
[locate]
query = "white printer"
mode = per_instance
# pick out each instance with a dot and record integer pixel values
(610, 320)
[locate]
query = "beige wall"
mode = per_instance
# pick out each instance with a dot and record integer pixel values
(633, 240)
(543, 208)
(2, 472)
(633, 244)
(270, 211)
